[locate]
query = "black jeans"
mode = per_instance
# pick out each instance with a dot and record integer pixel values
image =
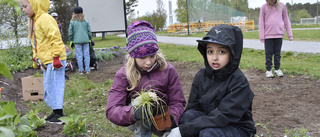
(273, 48)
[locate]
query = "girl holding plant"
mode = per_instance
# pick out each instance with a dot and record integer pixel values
(146, 70)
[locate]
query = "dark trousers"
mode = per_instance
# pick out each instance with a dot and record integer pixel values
(228, 131)
(273, 48)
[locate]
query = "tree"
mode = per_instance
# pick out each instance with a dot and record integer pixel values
(159, 16)
(130, 4)
(13, 21)
(298, 14)
(181, 11)
(147, 17)
(64, 8)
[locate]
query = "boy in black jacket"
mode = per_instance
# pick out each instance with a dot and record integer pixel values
(220, 100)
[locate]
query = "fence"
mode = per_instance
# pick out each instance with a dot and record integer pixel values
(245, 25)
(310, 20)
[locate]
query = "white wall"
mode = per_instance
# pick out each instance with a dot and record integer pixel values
(104, 15)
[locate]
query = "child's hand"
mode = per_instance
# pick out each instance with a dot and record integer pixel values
(56, 62)
(139, 114)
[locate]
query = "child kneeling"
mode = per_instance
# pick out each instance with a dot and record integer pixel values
(220, 100)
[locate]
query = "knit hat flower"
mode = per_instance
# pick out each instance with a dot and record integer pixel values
(142, 40)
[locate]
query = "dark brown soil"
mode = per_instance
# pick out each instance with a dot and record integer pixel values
(287, 102)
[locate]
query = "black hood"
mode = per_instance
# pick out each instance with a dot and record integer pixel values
(230, 36)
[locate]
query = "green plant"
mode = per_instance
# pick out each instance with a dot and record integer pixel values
(18, 57)
(264, 126)
(11, 125)
(296, 133)
(38, 75)
(150, 103)
(34, 120)
(74, 126)
(5, 71)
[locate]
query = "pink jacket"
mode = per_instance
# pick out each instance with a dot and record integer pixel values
(273, 22)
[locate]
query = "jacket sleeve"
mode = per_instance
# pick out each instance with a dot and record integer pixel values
(89, 31)
(261, 24)
(54, 36)
(231, 109)
(287, 23)
(177, 101)
(70, 32)
(118, 112)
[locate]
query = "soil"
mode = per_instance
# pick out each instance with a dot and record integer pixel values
(281, 103)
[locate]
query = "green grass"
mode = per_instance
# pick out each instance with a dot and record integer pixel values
(305, 25)
(298, 35)
(291, 62)
(110, 41)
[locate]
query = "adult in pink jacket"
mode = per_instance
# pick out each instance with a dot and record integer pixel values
(273, 22)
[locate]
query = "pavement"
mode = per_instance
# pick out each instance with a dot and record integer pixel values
(294, 46)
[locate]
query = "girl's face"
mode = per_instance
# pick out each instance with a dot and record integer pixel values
(26, 8)
(218, 56)
(146, 62)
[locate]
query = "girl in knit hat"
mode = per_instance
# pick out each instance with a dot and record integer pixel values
(145, 68)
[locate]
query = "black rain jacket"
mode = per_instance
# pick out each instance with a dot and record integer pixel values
(223, 95)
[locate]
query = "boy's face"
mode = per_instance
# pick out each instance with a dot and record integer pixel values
(218, 56)
(26, 8)
(146, 62)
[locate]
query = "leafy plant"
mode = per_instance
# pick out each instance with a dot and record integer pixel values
(74, 126)
(150, 103)
(5, 71)
(34, 120)
(18, 58)
(11, 125)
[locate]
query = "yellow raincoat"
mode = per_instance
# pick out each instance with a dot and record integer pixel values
(48, 39)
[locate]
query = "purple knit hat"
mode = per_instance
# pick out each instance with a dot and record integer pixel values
(142, 40)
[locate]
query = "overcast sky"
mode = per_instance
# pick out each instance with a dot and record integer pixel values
(145, 6)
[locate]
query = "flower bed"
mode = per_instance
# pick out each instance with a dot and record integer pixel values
(109, 53)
